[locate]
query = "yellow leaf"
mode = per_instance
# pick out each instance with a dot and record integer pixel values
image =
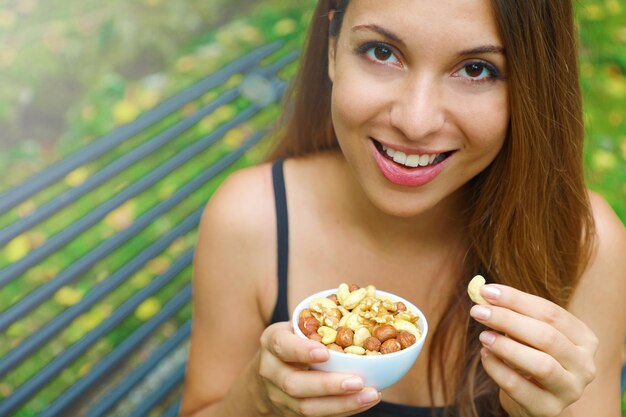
(249, 34)
(124, 111)
(158, 265)
(186, 63)
(17, 248)
(122, 217)
(26, 208)
(7, 19)
(613, 7)
(234, 137)
(77, 177)
(593, 12)
(604, 160)
(88, 112)
(285, 27)
(68, 296)
(148, 99)
(148, 308)
(225, 113)
(615, 119)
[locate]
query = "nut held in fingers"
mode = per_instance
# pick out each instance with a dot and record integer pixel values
(473, 289)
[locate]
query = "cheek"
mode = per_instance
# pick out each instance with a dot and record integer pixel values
(356, 98)
(485, 121)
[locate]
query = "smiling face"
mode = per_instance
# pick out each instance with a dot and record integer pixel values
(419, 98)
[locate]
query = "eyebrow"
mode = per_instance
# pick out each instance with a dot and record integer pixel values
(484, 49)
(380, 30)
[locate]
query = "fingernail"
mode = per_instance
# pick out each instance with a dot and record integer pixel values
(480, 312)
(319, 354)
(352, 384)
(484, 353)
(487, 338)
(368, 396)
(489, 291)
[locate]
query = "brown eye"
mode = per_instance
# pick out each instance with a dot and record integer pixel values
(474, 70)
(382, 53)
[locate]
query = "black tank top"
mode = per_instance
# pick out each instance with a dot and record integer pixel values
(281, 311)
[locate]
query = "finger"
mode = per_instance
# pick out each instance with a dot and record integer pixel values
(281, 342)
(541, 367)
(299, 383)
(530, 331)
(540, 309)
(524, 394)
(343, 405)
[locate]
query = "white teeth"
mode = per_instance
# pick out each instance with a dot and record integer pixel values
(399, 157)
(412, 160)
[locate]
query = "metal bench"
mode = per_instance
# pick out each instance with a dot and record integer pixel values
(130, 356)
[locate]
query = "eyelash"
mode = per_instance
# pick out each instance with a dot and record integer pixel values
(494, 74)
(363, 50)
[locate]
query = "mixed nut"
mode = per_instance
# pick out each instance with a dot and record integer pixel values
(356, 321)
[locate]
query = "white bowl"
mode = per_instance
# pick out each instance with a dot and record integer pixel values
(378, 371)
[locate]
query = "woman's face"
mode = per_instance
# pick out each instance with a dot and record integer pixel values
(419, 98)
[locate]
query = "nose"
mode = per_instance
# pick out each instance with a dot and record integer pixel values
(418, 110)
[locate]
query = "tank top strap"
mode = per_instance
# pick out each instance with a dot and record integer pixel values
(281, 310)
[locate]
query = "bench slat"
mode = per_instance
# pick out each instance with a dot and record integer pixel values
(26, 391)
(60, 169)
(63, 200)
(64, 237)
(43, 293)
(51, 329)
(155, 398)
(103, 367)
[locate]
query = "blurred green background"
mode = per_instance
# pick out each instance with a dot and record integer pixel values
(72, 70)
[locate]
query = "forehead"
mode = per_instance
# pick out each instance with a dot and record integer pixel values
(462, 23)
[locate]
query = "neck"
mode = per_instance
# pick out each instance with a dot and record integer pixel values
(440, 226)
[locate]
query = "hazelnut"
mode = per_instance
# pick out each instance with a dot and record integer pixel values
(333, 298)
(344, 337)
(335, 347)
(309, 325)
(390, 346)
(384, 332)
(400, 307)
(305, 313)
(353, 287)
(315, 336)
(406, 339)
(371, 344)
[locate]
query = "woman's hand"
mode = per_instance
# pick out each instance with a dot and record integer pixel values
(291, 389)
(541, 356)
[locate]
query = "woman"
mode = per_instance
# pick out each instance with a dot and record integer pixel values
(425, 142)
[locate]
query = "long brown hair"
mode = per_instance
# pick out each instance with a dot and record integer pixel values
(531, 225)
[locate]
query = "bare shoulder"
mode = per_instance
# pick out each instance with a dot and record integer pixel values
(603, 283)
(242, 198)
(238, 227)
(599, 302)
(608, 260)
(233, 257)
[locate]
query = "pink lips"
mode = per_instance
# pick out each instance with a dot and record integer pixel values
(408, 177)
